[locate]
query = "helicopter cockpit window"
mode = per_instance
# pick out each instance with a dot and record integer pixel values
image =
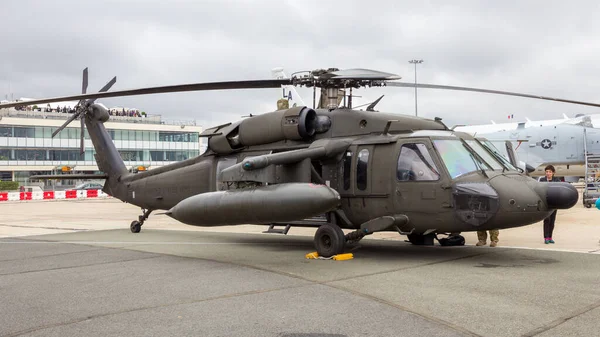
(347, 169)
(458, 158)
(361, 169)
(501, 155)
(415, 164)
(489, 159)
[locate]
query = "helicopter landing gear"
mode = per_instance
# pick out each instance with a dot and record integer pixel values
(452, 240)
(421, 240)
(136, 225)
(329, 240)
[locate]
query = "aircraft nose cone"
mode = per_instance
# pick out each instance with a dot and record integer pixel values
(561, 195)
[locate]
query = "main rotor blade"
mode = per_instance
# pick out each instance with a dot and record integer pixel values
(255, 84)
(361, 74)
(84, 85)
(498, 92)
(73, 116)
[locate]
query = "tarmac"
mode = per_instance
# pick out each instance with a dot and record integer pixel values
(74, 268)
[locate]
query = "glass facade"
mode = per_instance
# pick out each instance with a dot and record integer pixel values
(34, 146)
(73, 133)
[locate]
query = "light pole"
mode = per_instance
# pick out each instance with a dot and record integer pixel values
(415, 62)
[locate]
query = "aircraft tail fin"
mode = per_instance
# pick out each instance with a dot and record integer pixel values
(289, 91)
(107, 156)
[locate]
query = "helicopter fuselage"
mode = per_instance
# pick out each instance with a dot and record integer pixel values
(436, 178)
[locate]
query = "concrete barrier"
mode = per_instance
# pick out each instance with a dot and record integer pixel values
(52, 195)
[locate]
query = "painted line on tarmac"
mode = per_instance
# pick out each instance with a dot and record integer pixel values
(141, 243)
(581, 251)
(42, 227)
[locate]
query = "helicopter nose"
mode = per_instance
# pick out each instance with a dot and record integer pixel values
(561, 195)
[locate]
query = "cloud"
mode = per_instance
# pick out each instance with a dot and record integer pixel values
(546, 48)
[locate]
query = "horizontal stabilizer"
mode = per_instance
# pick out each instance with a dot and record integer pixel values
(70, 176)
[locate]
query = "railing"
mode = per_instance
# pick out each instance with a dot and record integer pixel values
(149, 119)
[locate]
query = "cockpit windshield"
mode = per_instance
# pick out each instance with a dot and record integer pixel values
(462, 157)
(485, 155)
(498, 154)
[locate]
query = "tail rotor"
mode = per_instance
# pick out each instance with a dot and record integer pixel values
(83, 107)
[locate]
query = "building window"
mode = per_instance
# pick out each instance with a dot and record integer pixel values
(6, 176)
(24, 132)
(6, 131)
(415, 164)
(5, 154)
(131, 155)
(157, 155)
(30, 154)
(361, 169)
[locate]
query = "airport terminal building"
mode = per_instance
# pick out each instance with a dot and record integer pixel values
(144, 142)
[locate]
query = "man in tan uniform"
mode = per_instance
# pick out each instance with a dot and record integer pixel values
(482, 237)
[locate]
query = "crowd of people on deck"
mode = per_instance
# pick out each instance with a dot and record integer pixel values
(126, 112)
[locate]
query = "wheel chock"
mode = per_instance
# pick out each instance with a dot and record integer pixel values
(343, 257)
(338, 257)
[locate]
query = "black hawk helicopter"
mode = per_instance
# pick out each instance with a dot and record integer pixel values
(360, 170)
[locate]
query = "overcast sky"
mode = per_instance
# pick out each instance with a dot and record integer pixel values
(548, 48)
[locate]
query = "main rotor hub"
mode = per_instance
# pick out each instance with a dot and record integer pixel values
(339, 79)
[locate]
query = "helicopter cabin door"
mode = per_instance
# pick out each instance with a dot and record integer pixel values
(421, 187)
(364, 185)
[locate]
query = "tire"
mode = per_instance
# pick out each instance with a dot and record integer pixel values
(416, 239)
(329, 240)
(135, 226)
(588, 205)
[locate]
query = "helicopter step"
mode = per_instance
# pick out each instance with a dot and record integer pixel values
(308, 222)
(273, 230)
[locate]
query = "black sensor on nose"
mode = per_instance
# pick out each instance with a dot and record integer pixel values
(561, 195)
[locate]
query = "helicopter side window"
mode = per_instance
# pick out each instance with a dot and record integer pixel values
(361, 169)
(347, 168)
(415, 164)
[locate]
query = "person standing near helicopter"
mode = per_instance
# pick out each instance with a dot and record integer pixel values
(549, 221)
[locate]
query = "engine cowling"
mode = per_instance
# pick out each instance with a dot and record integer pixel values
(298, 123)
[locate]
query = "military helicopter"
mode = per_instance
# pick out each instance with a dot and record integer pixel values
(364, 171)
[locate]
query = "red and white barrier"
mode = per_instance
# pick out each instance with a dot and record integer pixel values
(52, 195)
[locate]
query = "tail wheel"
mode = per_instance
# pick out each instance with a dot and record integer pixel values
(329, 240)
(135, 227)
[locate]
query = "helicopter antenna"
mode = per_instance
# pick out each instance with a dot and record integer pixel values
(371, 106)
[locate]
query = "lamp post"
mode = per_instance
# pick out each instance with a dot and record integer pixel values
(415, 62)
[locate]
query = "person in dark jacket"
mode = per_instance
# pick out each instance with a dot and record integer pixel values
(549, 221)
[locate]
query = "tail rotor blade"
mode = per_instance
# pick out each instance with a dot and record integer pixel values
(104, 89)
(84, 85)
(82, 148)
(65, 124)
(109, 84)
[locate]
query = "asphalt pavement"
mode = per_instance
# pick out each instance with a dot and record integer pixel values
(162, 282)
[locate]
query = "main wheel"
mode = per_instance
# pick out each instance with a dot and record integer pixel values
(588, 205)
(420, 239)
(135, 226)
(329, 240)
